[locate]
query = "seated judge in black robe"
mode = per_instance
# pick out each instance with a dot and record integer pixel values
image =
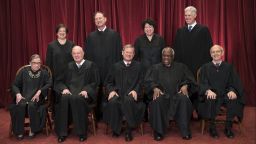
(29, 90)
(169, 85)
(78, 89)
(220, 84)
(123, 84)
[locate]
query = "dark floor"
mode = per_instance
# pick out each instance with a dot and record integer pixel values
(247, 136)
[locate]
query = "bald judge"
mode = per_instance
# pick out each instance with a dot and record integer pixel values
(77, 88)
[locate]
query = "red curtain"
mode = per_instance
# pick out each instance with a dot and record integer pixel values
(27, 26)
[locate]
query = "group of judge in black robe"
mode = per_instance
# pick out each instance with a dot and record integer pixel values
(170, 105)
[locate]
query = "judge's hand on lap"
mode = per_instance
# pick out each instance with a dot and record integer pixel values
(134, 94)
(18, 98)
(157, 93)
(184, 90)
(36, 96)
(232, 95)
(84, 93)
(210, 94)
(66, 91)
(112, 94)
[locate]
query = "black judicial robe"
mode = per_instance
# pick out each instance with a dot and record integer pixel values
(123, 79)
(57, 58)
(220, 80)
(193, 48)
(76, 80)
(171, 104)
(27, 83)
(149, 52)
(103, 48)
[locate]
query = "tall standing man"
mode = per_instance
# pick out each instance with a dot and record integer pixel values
(104, 47)
(192, 42)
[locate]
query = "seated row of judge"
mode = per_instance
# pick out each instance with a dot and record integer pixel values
(168, 84)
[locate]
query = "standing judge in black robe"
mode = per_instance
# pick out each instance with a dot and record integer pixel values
(220, 84)
(58, 56)
(192, 42)
(78, 90)
(169, 85)
(149, 45)
(123, 84)
(29, 90)
(103, 46)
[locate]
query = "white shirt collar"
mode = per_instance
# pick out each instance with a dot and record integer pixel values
(217, 62)
(103, 29)
(192, 25)
(81, 63)
(126, 62)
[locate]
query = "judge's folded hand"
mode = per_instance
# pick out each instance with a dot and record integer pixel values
(66, 91)
(157, 93)
(184, 90)
(134, 94)
(18, 98)
(84, 93)
(210, 94)
(232, 95)
(112, 94)
(36, 96)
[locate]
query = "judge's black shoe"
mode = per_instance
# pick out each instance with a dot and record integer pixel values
(20, 137)
(228, 132)
(61, 139)
(82, 138)
(114, 134)
(213, 133)
(128, 136)
(157, 136)
(187, 137)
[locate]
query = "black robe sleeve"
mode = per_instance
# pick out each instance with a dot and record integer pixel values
(150, 81)
(94, 81)
(110, 81)
(46, 83)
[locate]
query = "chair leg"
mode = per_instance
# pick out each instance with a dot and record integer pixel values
(93, 124)
(10, 130)
(49, 121)
(202, 126)
(240, 127)
(141, 129)
(46, 127)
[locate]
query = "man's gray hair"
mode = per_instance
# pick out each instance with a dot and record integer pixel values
(191, 9)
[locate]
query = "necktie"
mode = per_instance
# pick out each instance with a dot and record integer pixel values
(189, 28)
(128, 64)
(79, 66)
(217, 65)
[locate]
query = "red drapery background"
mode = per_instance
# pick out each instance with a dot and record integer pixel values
(27, 26)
